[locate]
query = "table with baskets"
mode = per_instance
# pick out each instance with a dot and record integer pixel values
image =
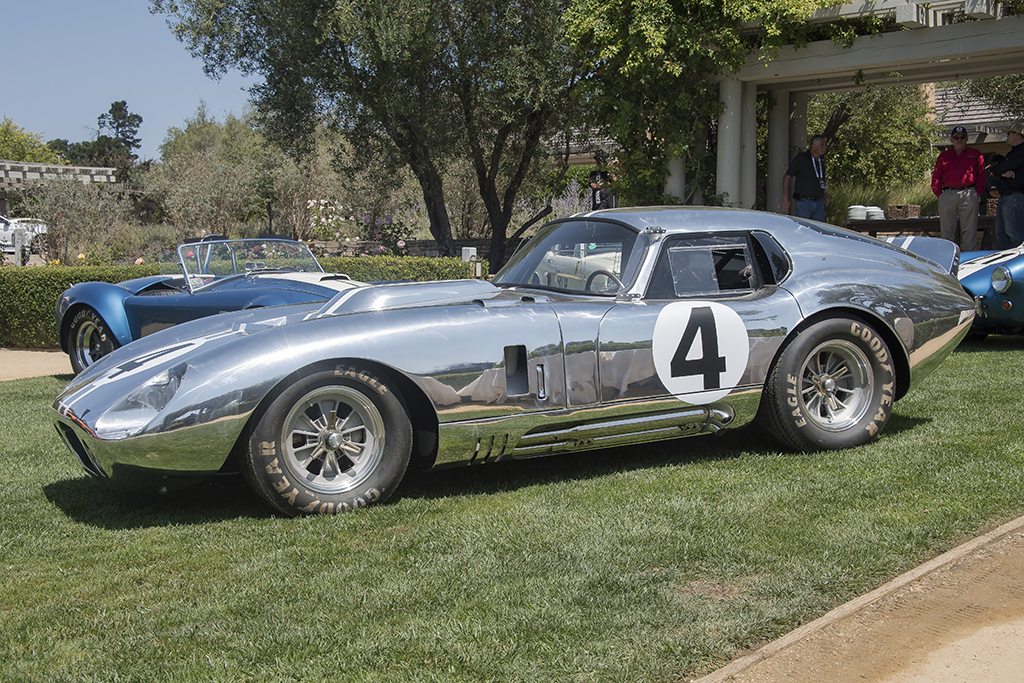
(905, 219)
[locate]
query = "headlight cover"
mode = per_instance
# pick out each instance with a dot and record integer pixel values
(137, 409)
(1001, 279)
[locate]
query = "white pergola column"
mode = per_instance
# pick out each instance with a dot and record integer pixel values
(748, 147)
(797, 123)
(675, 181)
(778, 146)
(730, 93)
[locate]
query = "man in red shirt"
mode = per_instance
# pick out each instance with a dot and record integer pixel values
(958, 181)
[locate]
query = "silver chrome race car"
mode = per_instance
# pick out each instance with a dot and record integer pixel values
(608, 328)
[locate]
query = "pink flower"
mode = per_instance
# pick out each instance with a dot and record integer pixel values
(401, 244)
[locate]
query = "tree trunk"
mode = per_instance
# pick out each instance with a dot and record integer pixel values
(422, 166)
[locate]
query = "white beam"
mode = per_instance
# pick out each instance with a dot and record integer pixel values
(938, 53)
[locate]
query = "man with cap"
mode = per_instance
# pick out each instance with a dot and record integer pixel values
(958, 180)
(1010, 184)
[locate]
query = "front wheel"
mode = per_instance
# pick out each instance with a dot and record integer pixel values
(333, 441)
(832, 387)
(89, 339)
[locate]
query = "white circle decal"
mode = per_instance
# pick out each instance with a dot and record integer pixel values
(700, 350)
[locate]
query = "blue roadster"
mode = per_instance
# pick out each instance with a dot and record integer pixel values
(996, 281)
(202, 278)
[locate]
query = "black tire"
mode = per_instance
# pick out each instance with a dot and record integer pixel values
(89, 339)
(832, 387)
(330, 442)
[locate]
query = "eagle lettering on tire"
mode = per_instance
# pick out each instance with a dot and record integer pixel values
(833, 386)
(330, 442)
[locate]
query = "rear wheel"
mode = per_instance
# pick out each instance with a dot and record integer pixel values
(333, 441)
(89, 339)
(832, 387)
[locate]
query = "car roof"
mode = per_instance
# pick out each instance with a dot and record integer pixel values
(695, 218)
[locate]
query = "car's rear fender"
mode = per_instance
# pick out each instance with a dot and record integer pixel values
(900, 360)
(104, 298)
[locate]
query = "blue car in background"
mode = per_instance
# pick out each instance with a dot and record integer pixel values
(202, 278)
(996, 281)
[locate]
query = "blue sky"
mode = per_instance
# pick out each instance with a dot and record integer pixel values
(66, 61)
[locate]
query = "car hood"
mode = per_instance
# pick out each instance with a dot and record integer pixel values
(983, 260)
(213, 331)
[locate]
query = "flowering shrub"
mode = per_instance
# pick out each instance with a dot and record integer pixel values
(389, 235)
(329, 220)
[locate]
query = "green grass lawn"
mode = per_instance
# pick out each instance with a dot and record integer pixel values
(650, 563)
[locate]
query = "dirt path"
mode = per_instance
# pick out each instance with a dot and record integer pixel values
(957, 618)
(20, 364)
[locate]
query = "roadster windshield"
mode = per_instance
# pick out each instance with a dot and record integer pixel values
(575, 256)
(203, 262)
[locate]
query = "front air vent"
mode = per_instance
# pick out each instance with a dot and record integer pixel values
(79, 450)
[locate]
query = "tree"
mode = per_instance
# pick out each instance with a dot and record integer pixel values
(213, 175)
(1005, 93)
(83, 218)
(16, 144)
(418, 81)
(652, 88)
(881, 136)
(114, 150)
(124, 125)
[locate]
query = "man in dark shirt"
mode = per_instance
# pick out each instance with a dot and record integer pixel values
(1010, 174)
(808, 171)
(958, 180)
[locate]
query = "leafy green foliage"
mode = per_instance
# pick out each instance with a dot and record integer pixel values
(82, 218)
(652, 70)
(887, 139)
(115, 150)
(650, 563)
(385, 267)
(1005, 93)
(17, 144)
(418, 81)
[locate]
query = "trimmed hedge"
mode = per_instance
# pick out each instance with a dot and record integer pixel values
(28, 296)
(385, 268)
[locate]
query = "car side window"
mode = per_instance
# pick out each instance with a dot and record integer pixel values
(704, 266)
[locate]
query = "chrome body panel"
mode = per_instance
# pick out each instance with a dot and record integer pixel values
(519, 370)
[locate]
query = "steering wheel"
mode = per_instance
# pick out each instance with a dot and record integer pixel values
(610, 276)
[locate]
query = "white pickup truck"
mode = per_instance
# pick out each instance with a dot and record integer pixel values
(19, 236)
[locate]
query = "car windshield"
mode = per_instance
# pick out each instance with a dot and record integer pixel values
(575, 256)
(204, 262)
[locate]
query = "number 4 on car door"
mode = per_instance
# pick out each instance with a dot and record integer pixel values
(700, 350)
